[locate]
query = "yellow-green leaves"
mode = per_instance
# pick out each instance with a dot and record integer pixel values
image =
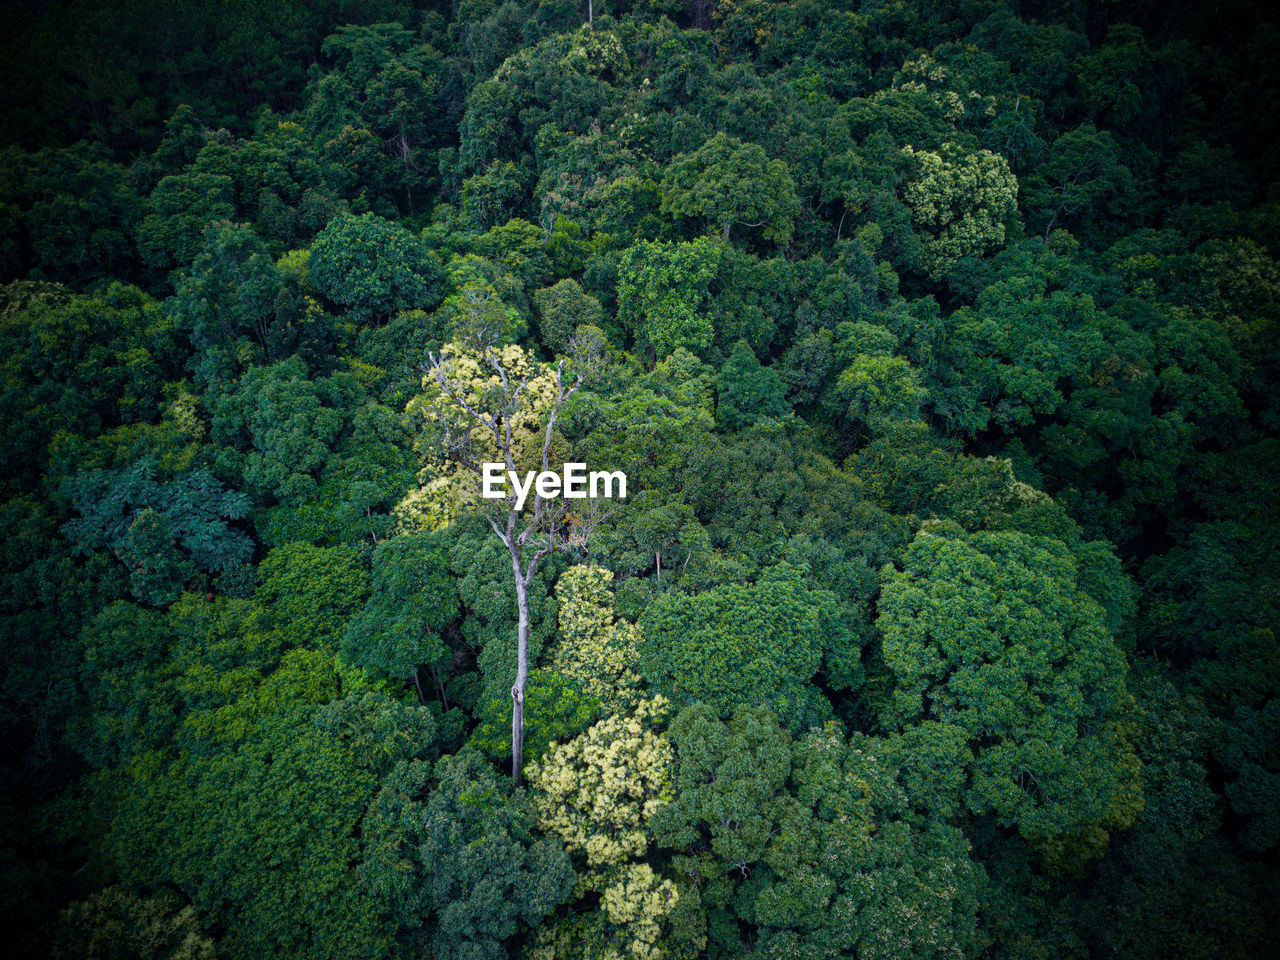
(598, 790)
(597, 650)
(598, 794)
(961, 202)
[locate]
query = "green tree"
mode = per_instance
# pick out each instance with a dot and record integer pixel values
(561, 309)
(993, 637)
(806, 847)
(412, 600)
(1081, 178)
(474, 416)
(231, 291)
(177, 213)
(218, 821)
(736, 644)
(452, 856)
(116, 922)
(372, 267)
(162, 532)
(661, 291)
(746, 391)
(277, 428)
(961, 202)
(727, 183)
(312, 592)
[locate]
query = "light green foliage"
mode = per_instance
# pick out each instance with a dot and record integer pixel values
(596, 649)
(555, 710)
(661, 291)
(518, 247)
(221, 822)
(311, 592)
(475, 306)
(993, 637)
(725, 183)
(882, 390)
(736, 644)
(597, 791)
(596, 794)
(962, 203)
(647, 426)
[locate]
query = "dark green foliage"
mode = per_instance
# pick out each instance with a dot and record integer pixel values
(939, 343)
(561, 310)
(805, 847)
(413, 599)
(232, 289)
(451, 856)
(177, 214)
(82, 364)
(276, 429)
(372, 268)
(993, 638)
(746, 391)
(162, 532)
(737, 645)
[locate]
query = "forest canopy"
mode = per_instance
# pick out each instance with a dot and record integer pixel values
(937, 342)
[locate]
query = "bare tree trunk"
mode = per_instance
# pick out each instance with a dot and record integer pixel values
(522, 675)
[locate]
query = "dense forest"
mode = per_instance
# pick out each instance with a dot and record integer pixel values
(938, 344)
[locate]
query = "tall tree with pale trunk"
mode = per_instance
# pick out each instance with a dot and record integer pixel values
(488, 405)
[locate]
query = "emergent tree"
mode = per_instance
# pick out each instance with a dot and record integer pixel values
(489, 401)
